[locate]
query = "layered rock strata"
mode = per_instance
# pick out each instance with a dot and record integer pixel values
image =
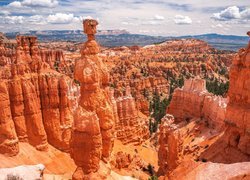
(130, 127)
(234, 145)
(94, 118)
(38, 109)
(238, 110)
(195, 113)
(170, 145)
(193, 100)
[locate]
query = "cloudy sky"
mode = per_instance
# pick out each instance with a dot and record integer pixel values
(153, 17)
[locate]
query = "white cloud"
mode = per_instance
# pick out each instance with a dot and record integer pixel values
(58, 18)
(37, 19)
(179, 19)
(125, 23)
(34, 3)
(217, 26)
(245, 14)
(158, 17)
(125, 14)
(41, 3)
(229, 13)
(61, 18)
(14, 19)
(5, 12)
(15, 4)
(233, 13)
(151, 23)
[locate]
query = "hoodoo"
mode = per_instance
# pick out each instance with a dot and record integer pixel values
(93, 133)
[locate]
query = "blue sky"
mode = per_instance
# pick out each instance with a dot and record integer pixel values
(152, 17)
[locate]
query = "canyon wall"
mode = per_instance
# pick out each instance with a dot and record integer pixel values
(36, 100)
(194, 101)
(238, 110)
(222, 123)
(192, 113)
(130, 127)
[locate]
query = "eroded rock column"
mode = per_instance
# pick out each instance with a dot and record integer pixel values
(93, 134)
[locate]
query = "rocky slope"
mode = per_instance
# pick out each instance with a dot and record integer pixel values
(191, 125)
(234, 144)
(208, 128)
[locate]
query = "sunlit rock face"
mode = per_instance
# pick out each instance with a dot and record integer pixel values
(130, 127)
(93, 133)
(208, 128)
(38, 109)
(194, 113)
(238, 110)
(194, 101)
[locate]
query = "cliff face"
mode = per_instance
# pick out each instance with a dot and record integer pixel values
(130, 127)
(222, 124)
(37, 101)
(6, 54)
(196, 120)
(94, 118)
(238, 110)
(8, 138)
(194, 101)
(57, 61)
(170, 147)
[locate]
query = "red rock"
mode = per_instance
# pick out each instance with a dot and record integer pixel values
(38, 98)
(87, 136)
(127, 161)
(33, 117)
(130, 127)
(238, 112)
(56, 115)
(209, 170)
(169, 149)
(95, 99)
(193, 100)
(8, 137)
(17, 109)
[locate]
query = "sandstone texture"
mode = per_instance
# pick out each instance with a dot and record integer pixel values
(234, 144)
(195, 121)
(169, 149)
(208, 128)
(93, 132)
(238, 110)
(130, 127)
(193, 100)
(36, 107)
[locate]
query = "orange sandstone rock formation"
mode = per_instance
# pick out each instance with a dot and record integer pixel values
(169, 149)
(234, 145)
(193, 100)
(94, 118)
(8, 137)
(199, 120)
(223, 137)
(130, 127)
(238, 110)
(37, 100)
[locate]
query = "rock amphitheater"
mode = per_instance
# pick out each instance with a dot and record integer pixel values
(91, 120)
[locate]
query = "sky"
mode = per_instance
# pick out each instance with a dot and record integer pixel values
(151, 17)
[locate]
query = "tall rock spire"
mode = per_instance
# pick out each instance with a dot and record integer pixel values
(93, 134)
